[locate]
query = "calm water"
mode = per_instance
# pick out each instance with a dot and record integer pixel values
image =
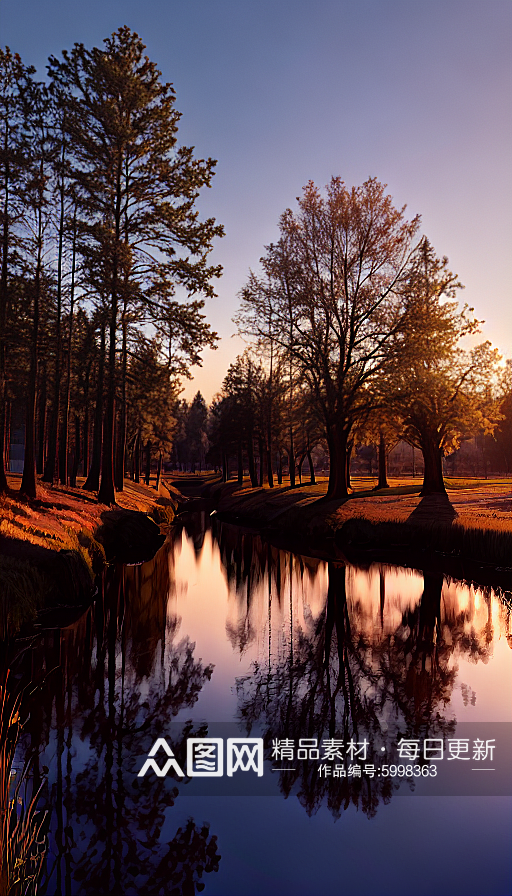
(223, 635)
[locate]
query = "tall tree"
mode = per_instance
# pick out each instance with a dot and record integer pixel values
(137, 189)
(195, 431)
(14, 80)
(38, 136)
(59, 165)
(336, 273)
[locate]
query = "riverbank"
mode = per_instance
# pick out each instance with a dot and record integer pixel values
(52, 548)
(468, 534)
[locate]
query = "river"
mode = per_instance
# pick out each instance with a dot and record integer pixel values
(377, 702)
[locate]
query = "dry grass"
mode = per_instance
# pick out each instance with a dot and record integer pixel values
(474, 521)
(60, 515)
(484, 504)
(48, 550)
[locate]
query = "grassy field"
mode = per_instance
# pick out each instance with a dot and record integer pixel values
(481, 503)
(473, 522)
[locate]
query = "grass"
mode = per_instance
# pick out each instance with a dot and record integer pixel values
(49, 554)
(473, 522)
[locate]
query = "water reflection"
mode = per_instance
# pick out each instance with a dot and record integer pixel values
(352, 654)
(119, 674)
(302, 649)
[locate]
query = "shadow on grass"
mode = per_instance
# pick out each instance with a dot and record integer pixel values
(433, 509)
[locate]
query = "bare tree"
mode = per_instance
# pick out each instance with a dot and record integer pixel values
(336, 277)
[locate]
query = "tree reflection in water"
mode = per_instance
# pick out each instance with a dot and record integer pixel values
(120, 674)
(351, 670)
(340, 652)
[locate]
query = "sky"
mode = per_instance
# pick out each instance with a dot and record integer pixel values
(282, 92)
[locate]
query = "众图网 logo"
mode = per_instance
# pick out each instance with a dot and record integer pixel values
(205, 757)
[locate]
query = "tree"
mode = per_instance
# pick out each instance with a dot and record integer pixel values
(503, 432)
(381, 427)
(151, 397)
(38, 136)
(442, 392)
(60, 186)
(14, 80)
(136, 189)
(336, 277)
(195, 431)
(244, 387)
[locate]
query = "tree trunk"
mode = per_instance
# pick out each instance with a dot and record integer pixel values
(51, 457)
(332, 464)
(261, 454)
(433, 482)
(92, 482)
(240, 463)
(76, 453)
(312, 478)
(280, 469)
(252, 466)
(63, 455)
(291, 460)
(270, 474)
(148, 461)
(159, 471)
(63, 472)
(85, 448)
(338, 455)
(7, 441)
(121, 429)
(41, 435)
(28, 481)
(136, 457)
(3, 313)
(225, 471)
(383, 479)
(106, 494)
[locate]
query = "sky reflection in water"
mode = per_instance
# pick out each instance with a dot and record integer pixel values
(222, 627)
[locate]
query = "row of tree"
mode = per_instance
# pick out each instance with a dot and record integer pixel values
(356, 336)
(103, 261)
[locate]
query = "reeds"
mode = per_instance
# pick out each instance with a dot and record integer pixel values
(23, 843)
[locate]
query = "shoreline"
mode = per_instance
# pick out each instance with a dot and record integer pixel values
(53, 548)
(467, 535)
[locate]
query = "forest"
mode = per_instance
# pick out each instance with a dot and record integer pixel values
(104, 265)
(356, 339)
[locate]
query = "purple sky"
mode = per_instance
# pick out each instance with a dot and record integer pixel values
(286, 91)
